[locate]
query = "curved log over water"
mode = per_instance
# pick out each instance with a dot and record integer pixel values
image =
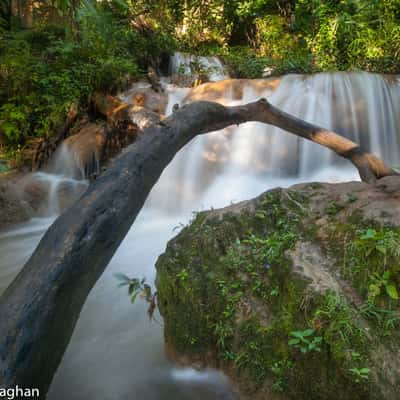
(39, 310)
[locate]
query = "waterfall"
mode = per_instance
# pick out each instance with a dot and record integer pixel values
(53, 189)
(361, 106)
(188, 64)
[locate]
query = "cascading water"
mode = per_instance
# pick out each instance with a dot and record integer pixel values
(55, 188)
(115, 352)
(363, 107)
(63, 180)
(188, 64)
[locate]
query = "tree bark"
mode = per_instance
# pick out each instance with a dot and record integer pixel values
(27, 14)
(39, 310)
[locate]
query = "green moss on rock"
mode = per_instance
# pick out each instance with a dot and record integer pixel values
(278, 292)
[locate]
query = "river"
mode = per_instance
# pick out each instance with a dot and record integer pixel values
(115, 351)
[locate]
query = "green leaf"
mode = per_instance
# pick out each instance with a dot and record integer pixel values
(89, 7)
(313, 346)
(374, 290)
(131, 288)
(364, 371)
(133, 297)
(369, 251)
(381, 249)
(392, 292)
(386, 275)
(293, 342)
(369, 234)
(308, 332)
(121, 4)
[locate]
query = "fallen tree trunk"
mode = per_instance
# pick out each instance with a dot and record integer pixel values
(39, 310)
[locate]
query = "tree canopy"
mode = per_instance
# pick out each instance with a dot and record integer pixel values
(56, 52)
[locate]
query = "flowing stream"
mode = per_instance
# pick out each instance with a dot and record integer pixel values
(116, 352)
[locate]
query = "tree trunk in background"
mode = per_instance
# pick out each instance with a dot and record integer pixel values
(40, 308)
(73, 17)
(27, 14)
(15, 8)
(23, 9)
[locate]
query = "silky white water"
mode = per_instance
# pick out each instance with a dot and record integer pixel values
(188, 64)
(115, 352)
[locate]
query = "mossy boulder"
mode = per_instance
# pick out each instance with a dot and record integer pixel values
(294, 294)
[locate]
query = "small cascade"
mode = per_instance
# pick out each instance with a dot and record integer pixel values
(52, 190)
(361, 106)
(80, 154)
(66, 163)
(58, 185)
(189, 64)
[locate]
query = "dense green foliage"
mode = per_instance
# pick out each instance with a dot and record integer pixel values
(294, 35)
(73, 47)
(45, 69)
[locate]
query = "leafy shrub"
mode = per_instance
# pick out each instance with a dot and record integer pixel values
(14, 124)
(245, 63)
(300, 35)
(42, 71)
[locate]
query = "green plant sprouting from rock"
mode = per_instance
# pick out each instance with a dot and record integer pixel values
(305, 340)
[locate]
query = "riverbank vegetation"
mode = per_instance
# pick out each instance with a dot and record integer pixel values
(57, 53)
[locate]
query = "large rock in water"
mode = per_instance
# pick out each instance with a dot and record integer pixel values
(293, 294)
(13, 209)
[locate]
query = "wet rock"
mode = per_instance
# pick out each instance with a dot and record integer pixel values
(230, 89)
(87, 146)
(34, 192)
(320, 322)
(152, 100)
(186, 81)
(13, 209)
(143, 117)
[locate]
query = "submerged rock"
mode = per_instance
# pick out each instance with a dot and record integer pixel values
(294, 294)
(87, 146)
